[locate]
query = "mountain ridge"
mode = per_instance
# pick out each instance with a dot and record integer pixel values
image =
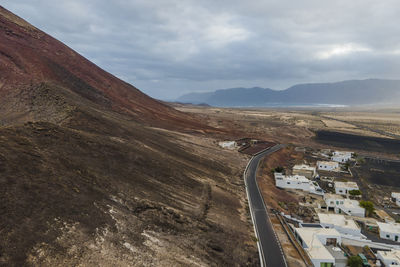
(349, 92)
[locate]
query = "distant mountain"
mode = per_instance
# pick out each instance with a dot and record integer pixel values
(352, 92)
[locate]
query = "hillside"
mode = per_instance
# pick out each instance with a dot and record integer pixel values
(94, 172)
(354, 92)
(34, 63)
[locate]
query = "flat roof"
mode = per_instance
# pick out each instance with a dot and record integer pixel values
(346, 184)
(336, 252)
(344, 153)
(335, 196)
(303, 167)
(297, 178)
(395, 195)
(329, 163)
(316, 249)
(351, 203)
(338, 220)
(390, 255)
(389, 227)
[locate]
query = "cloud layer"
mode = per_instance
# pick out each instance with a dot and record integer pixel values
(168, 47)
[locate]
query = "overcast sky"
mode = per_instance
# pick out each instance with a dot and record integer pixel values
(168, 48)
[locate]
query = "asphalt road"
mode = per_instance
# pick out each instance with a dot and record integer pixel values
(270, 250)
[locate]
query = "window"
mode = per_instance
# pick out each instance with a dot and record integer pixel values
(388, 236)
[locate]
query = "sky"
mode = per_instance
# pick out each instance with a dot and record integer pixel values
(168, 48)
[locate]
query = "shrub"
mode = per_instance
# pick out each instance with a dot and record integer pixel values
(368, 206)
(354, 261)
(355, 192)
(360, 160)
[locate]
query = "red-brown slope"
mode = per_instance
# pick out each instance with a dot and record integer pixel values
(29, 57)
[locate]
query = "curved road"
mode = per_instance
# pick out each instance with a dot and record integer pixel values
(271, 254)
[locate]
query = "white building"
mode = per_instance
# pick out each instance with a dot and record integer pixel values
(297, 182)
(315, 242)
(389, 231)
(343, 188)
(341, 156)
(227, 144)
(389, 258)
(396, 198)
(304, 170)
(328, 166)
(340, 223)
(339, 204)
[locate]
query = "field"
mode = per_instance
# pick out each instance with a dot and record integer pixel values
(358, 142)
(370, 131)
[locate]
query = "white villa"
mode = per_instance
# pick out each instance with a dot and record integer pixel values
(343, 188)
(340, 223)
(304, 170)
(396, 198)
(328, 166)
(341, 156)
(318, 243)
(389, 231)
(339, 204)
(389, 258)
(297, 182)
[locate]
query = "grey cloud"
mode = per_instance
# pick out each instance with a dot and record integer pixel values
(170, 47)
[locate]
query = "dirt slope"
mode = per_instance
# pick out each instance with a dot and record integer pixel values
(93, 173)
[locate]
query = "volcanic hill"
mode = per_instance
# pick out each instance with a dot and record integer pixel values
(94, 172)
(34, 63)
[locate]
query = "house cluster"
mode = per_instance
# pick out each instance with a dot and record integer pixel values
(301, 179)
(337, 203)
(339, 216)
(323, 242)
(337, 158)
